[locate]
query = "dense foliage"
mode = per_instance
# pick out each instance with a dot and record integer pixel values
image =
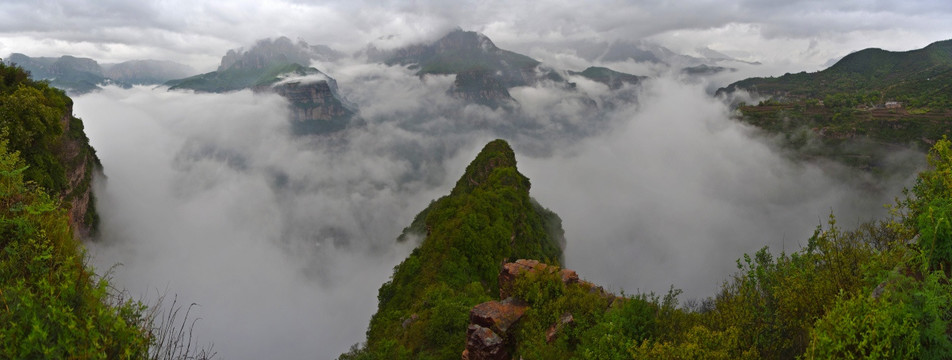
(52, 305)
(36, 121)
(487, 219)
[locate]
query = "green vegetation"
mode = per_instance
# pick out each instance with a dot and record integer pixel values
(879, 291)
(486, 220)
(612, 78)
(52, 305)
(892, 98)
(36, 121)
(234, 79)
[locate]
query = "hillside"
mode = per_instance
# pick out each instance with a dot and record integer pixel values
(891, 98)
(53, 304)
(486, 220)
(881, 290)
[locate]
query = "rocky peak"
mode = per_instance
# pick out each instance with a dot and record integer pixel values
(267, 52)
(494, 158)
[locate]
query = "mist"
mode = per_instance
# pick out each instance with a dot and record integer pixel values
(284, 240)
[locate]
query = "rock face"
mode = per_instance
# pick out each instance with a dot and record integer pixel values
(489, 335)
(315, 106)
(481, 87)
(81, 165)
(488, 332)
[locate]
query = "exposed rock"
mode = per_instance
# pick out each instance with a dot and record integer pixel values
(510, 271)
(499, 316)
(81, 164)
(565, 320)
(482, 87)
(484, 344)
(315, 106)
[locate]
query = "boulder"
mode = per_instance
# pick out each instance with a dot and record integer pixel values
(510, 271)
(498, 316)
(484, 344)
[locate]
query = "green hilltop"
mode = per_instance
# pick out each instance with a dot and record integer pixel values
(486, 220)
(862, 108)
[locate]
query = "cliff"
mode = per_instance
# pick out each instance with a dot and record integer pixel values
(315, 106)
(81, 165)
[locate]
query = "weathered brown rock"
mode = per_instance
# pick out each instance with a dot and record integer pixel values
(484, 344)
(499, 316)
(510, 271)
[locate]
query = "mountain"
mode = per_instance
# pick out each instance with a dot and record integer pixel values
(614, 79)
(281, 66)
(75, 75)
(82, 75)
(884, 99)
(146, 72)
(484, 72)
(465, 237)
(55, 307)
(916, 77)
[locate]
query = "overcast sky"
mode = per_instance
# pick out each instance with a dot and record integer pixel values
(808, 33)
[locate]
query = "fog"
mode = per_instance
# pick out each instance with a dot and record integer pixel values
(284, 241)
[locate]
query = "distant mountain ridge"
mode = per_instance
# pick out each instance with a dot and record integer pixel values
(81, 75)
(860, 107)
(918, 77)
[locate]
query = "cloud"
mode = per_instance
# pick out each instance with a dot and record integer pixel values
(678, 191)
(197, 32)
(210, 197)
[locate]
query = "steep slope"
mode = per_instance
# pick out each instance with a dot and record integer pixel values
(486, 220)
(54, 307)
(39, 124)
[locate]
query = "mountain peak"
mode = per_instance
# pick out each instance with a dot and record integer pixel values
(494, 166)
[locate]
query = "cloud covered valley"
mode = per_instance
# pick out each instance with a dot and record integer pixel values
(210, 197)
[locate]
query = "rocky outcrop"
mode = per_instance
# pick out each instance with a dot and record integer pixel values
(488, 332)
(511, 271)
(481, 87)
(315, 106)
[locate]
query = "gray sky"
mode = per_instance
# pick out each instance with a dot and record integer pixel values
(198, 32)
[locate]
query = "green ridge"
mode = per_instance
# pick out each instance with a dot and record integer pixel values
(486, 220)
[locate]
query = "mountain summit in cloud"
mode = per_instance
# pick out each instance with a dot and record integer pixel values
(281, 66)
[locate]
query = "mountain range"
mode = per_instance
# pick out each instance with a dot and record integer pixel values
(82, 75)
